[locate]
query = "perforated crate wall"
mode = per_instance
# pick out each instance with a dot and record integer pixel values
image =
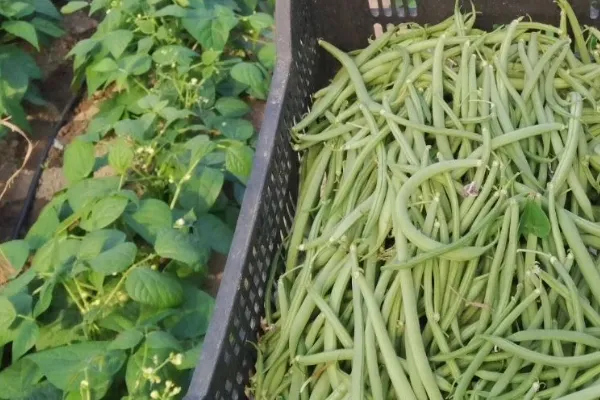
(267, 212)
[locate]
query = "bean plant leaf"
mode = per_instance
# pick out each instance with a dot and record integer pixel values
(260, 21)
(200, 146)
(98, 241)
(73, 6)
(43, 229)
(211, 27)
(117, 41)
(79, 361)
(24, 30)
(13, 256)
(202, 190)
(248, 74)
(135, 128)
(7, 313)
(120, 156)
(27, 334)
(215, 232)
(239, 161)
(236, 129)
(534, 220)
(166, 55)
(177, 245)
(43, 391)
(105, 212)
(171, 11)
(266, 55)
(232, 107)
(115, 260)
(105, 65)
(81, 193)
(17, 379)
(45, 298)
(17, 9)
(150, 217)
(195, 315)
(126, 340)
(154, 288)
(79, 161)
(47, 27)
(162, 340)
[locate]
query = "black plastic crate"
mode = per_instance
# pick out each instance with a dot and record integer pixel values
(268, 209)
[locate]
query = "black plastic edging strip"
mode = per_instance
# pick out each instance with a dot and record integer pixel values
(32, 191)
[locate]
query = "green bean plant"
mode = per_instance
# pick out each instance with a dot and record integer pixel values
(105, 298)
(35, 22)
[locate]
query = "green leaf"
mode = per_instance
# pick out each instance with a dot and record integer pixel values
(27, 334)
(154, 288)
(266, 55)
(47, 27)
(105, 212)
(150, 217)
(166, 55)
(210, 56)
(136, 64)
(22, 29)
(171, 114)
(211, 27)
(45, 7)
(7, 313)
(162, 340)
(248, 74)
(79, 361)
(120, 156)
(199, 146)
(191, 357)
(17, 9)
(73, 6)
(232, 107)
(115, 260)
(534, 220)
(171, 11)
(153, 103)
(17, 379)
(260, 21)
(79, 161)
(98, 5)
(81, 193)
(202, 190)
(135, 128)
(178, 245)
(145, 45)
(98, 241)
(214, 231)
(236, 129)
(43, 391)
(126, 340)
(238, 161)
(13, 256)
(17, 285)
(82, 48)
(45, 299)
(117, 41)
(194, 316)
(105, 65)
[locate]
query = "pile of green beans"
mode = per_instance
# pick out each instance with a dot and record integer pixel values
(445, 243)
